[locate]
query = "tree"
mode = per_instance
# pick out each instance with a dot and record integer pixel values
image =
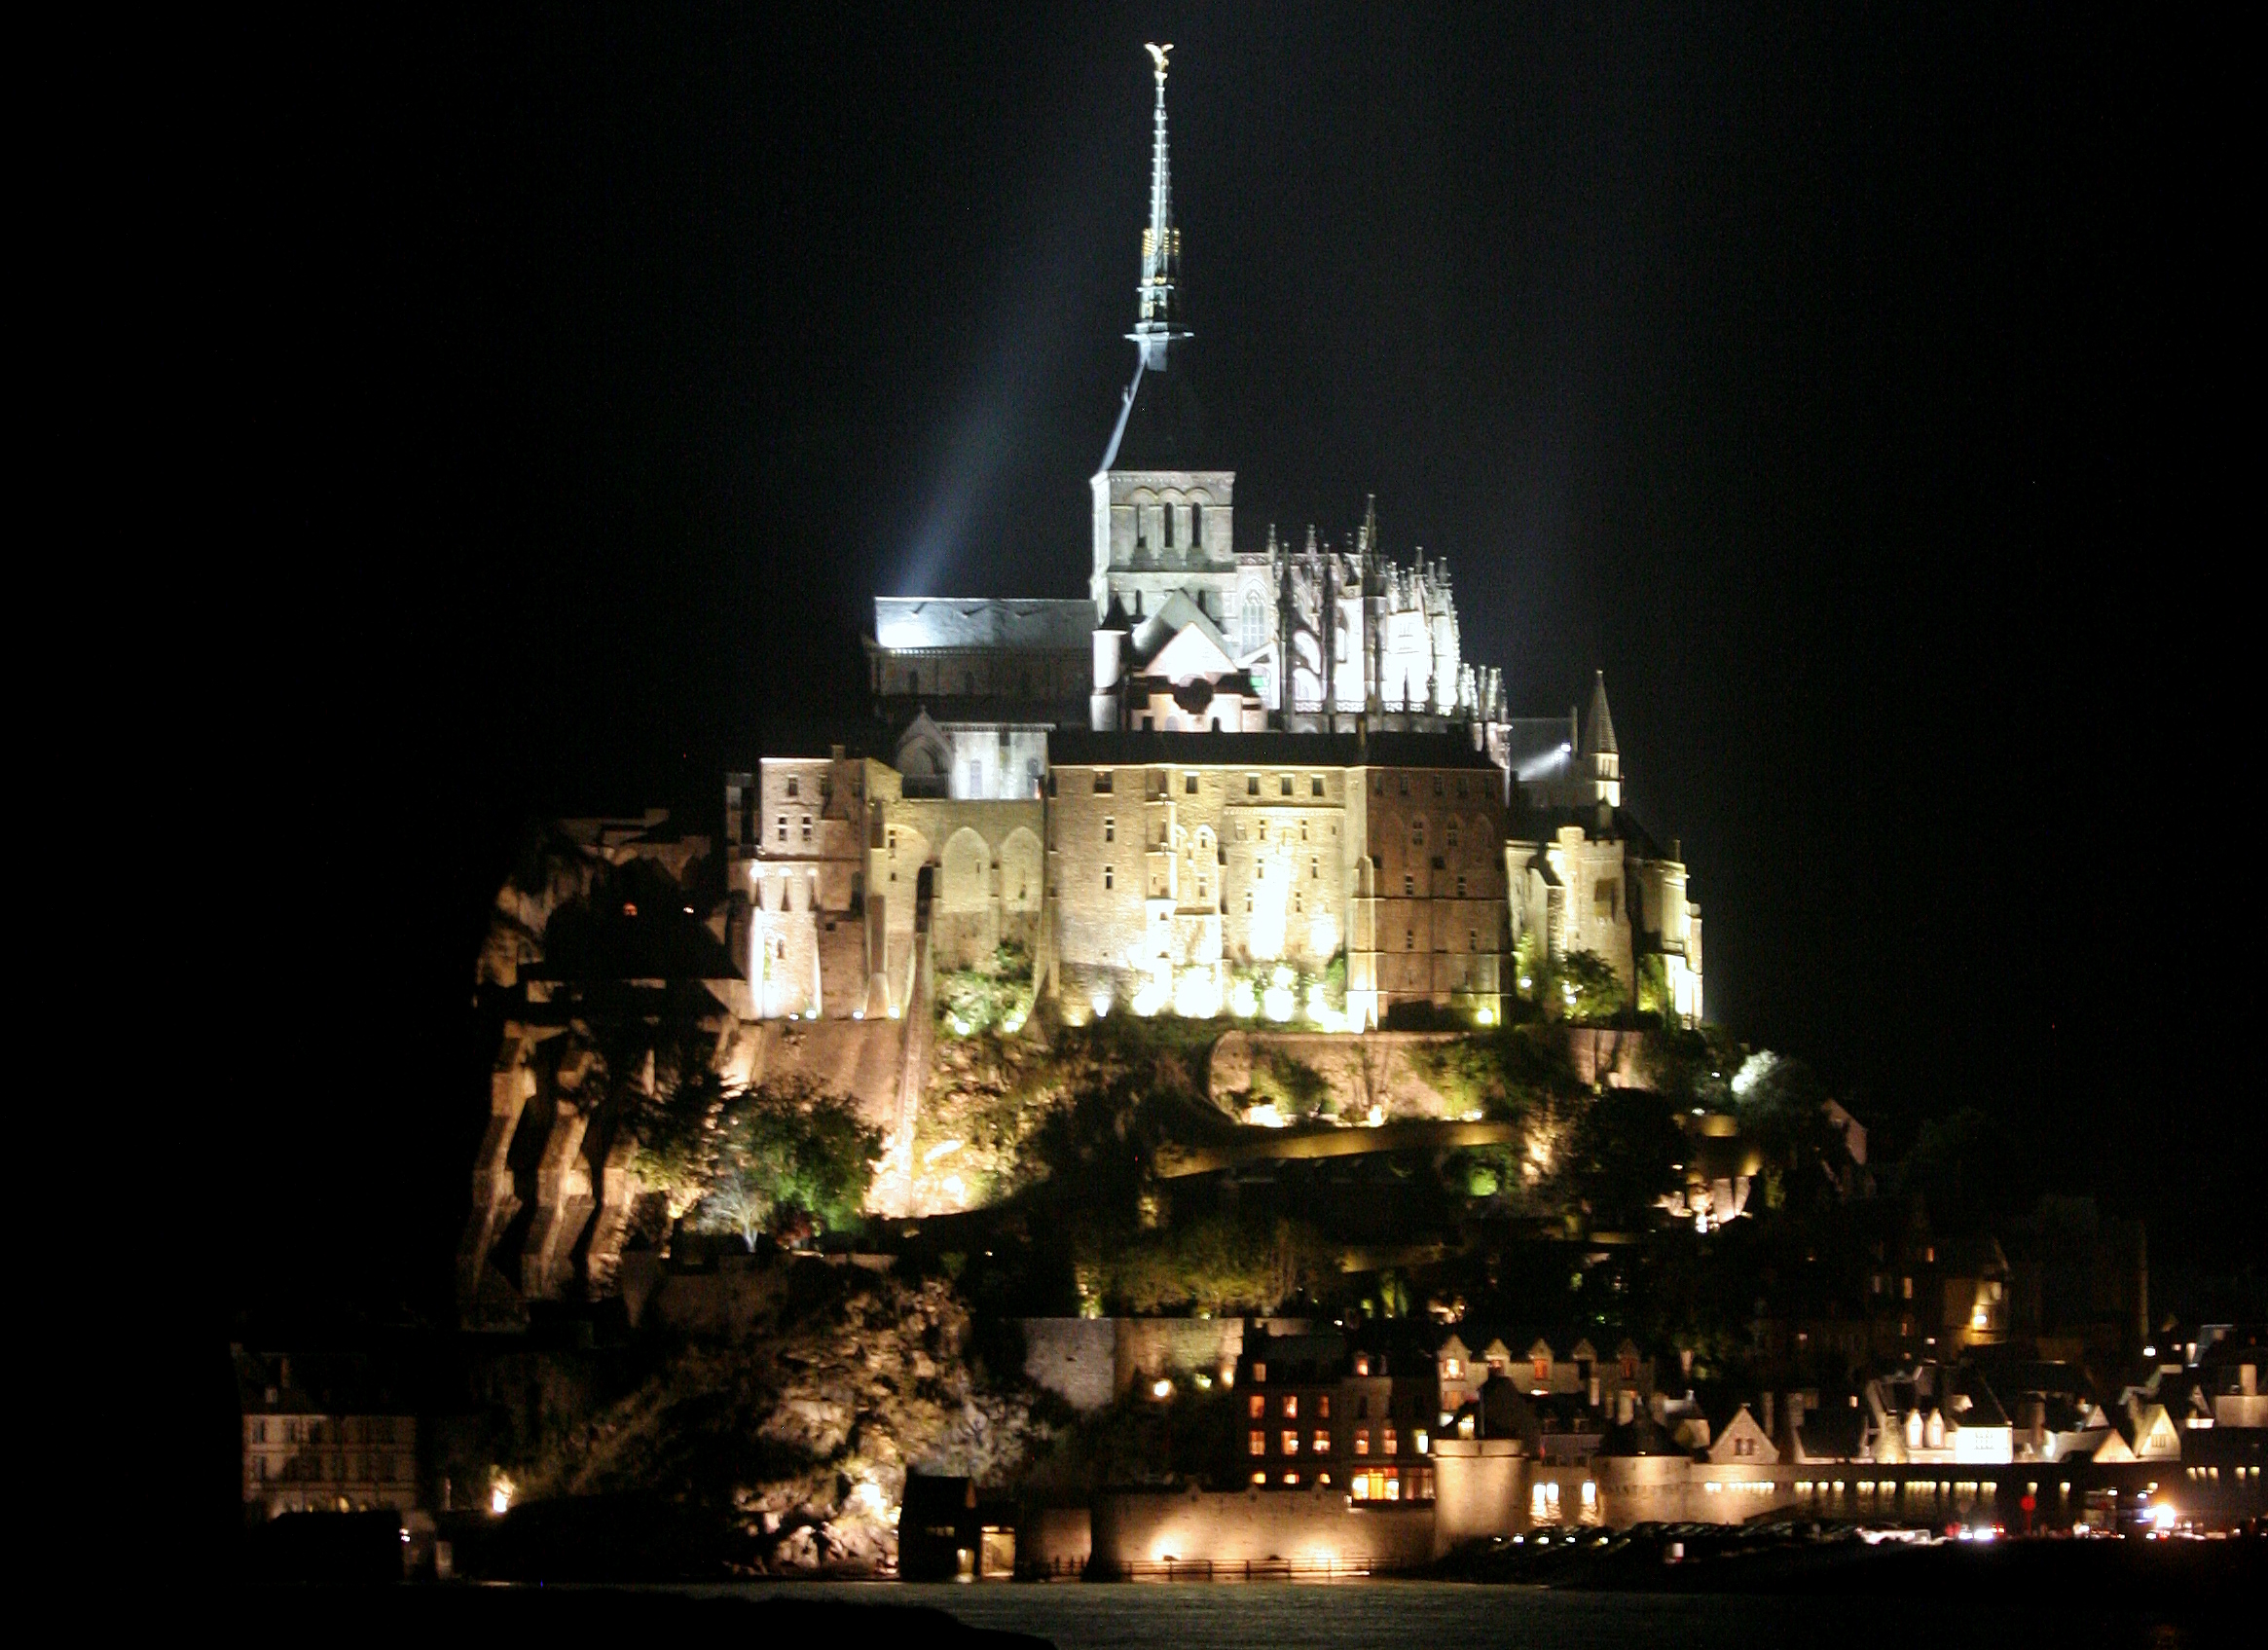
(784, 1147)
(1590, 988)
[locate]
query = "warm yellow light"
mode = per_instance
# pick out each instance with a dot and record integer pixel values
(1161, 1389)
(500, 1496)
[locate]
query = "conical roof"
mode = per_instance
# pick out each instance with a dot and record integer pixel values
(1598, 724)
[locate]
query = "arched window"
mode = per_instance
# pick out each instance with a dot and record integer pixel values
(1197, 527)
(1253, 633)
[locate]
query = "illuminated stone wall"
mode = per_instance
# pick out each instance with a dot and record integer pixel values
(1307, 1526)
(1431, 929)
(1175, 872)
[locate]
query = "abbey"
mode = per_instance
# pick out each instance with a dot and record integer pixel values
(1235, 773)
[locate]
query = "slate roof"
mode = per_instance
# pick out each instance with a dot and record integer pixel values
(1081, 747)
(977, 621)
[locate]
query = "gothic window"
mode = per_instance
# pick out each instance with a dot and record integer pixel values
(1166, 511)
(1197, 527)
(1255, 632)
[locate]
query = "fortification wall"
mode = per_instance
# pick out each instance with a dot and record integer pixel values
(1074, 1358)
(1090, 1361)
(1478, 1486)
(1299, 1526)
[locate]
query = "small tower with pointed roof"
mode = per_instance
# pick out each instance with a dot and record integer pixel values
(1598, 761)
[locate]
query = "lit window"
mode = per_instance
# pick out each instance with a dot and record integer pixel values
(1386, 1441)
(1257, 1406)
(1291, 1478)
(1291, 1441)
(1453, 1369)
(1361, 1363)
(1260, 1371)
(1291, 1405)
(1321, 1444)
(1362, 1441)
(1323, 1405)
(1260, 1442)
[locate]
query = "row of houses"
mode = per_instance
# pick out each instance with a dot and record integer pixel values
(1362, 1450)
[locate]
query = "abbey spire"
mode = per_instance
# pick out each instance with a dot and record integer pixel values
(1158, 316)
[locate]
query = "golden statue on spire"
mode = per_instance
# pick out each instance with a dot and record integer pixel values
(1158, 56)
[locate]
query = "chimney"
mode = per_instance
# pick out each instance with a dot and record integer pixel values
(1595, 1391)
(1795, 1413)
(1767, 1417)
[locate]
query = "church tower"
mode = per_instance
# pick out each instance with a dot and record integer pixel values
(1162, 523)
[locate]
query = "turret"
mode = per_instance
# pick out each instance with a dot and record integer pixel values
(1599, 758)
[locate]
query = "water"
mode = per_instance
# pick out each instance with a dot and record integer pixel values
(1450, 1616)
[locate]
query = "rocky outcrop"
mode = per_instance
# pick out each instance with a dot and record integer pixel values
(802, 1434)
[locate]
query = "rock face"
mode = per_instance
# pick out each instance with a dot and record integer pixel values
(603, 980)
(802, 1434)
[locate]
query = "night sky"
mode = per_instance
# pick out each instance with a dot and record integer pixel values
(566, 385)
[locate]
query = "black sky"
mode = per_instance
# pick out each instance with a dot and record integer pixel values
(569, 382)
